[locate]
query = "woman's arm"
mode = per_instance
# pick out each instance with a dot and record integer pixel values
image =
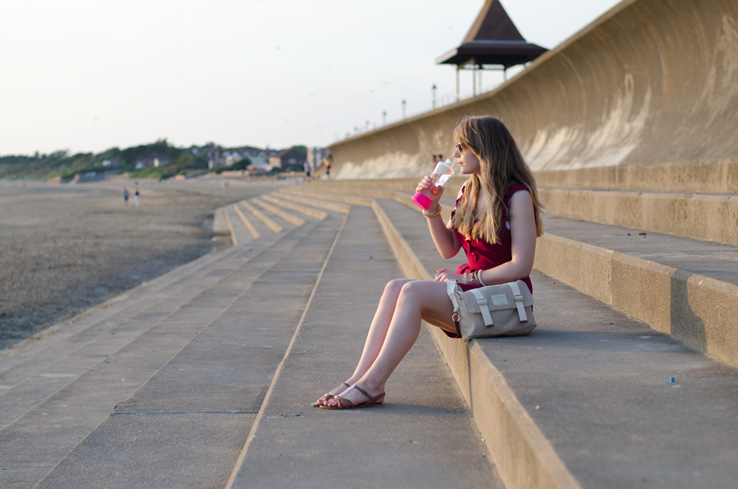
(523, 232)
(443, 235)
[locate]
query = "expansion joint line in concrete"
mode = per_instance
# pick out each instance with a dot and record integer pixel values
(280, 367)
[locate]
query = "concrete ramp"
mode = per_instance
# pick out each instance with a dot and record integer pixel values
(651, 82)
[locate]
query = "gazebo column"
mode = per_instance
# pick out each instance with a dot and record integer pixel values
(457, 83)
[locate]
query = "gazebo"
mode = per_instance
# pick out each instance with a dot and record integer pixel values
(492, 43)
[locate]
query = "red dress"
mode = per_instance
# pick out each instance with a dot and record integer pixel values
(481, 255)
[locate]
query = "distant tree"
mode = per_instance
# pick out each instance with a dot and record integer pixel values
(241, 164)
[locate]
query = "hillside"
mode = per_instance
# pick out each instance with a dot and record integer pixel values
(155, 160)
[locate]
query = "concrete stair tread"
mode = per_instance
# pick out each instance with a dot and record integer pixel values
(402, 444)
(265, 222)
(241, 232)
(715, 260)
(706, 217)
(591, 381)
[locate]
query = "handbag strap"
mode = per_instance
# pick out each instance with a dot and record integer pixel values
(451, 291)
(483, 307)
(518, 301)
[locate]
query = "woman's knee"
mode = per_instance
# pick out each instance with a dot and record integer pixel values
(412, 289)
(394, 287)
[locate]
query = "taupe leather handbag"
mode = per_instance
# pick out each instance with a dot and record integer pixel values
(493, 310)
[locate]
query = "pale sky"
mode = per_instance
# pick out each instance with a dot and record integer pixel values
(88, 75)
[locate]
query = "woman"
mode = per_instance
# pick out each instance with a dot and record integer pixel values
(496, 221)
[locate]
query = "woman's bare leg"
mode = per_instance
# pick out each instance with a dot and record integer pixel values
(377, 333)
(416, 300)
(380, 325)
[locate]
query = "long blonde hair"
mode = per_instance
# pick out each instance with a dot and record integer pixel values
(501, 164)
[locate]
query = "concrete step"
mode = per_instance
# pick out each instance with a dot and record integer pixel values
(405, 443)
(587, 399)
(311, 202)
(712, 217)
(240, 227)
(250, 219)
(717, 177)
(262, 220)
(683, 287)
(35, 442)
(300, 208)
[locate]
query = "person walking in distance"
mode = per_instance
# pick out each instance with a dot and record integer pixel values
(496, 221)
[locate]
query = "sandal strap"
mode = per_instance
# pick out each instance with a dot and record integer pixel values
(344, 403)
(336, 388)
(366, 394)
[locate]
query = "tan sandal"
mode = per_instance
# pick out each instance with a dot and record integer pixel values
(343, 403)
(328, 396)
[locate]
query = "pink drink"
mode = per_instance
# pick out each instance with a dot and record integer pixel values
(443, 171)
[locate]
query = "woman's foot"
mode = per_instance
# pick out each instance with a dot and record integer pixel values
(354, 397)
(330, 395)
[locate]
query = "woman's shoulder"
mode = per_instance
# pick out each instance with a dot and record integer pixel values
(515, 187)
(461, 190)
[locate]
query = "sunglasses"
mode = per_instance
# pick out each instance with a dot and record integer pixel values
(460, 147)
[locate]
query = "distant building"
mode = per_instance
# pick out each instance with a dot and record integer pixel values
(260, 158)
(288, 160)
(149, 161)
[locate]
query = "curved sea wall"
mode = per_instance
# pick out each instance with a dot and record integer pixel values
(650, 82)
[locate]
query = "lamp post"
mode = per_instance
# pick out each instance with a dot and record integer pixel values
(433, 90)
(404, 104)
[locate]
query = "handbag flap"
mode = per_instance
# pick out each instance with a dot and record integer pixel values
(498, 297)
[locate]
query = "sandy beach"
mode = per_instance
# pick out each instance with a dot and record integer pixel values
(66, 248)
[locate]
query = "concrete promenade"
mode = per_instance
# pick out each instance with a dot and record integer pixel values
(203, 378)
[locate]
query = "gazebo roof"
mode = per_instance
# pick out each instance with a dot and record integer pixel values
(492, 40)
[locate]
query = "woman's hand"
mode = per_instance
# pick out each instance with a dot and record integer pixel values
(443, 275)
(424, 184)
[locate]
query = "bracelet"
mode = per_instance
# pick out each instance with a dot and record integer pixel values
(466, 277)
(479, 278)
(434, 213)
